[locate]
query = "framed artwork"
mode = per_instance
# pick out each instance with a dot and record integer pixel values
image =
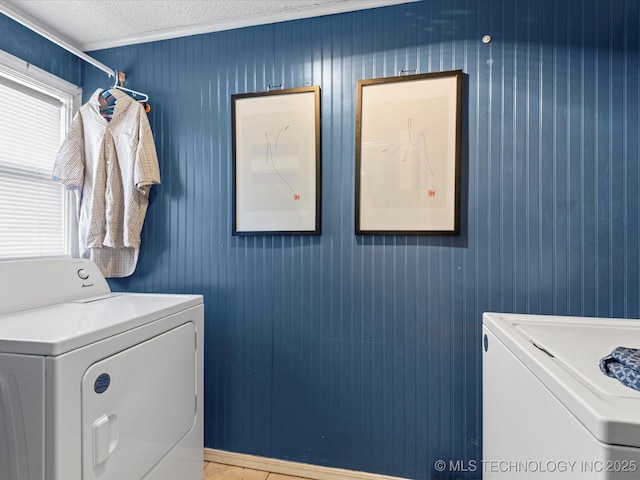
(408, 154)
(276, 162)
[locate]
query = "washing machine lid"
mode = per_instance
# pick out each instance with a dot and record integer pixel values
(56, 329)
(564, 354)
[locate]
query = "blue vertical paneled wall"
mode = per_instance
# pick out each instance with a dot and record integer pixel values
(363, 352)
(34, 49)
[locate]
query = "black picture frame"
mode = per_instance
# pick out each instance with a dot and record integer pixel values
(408, 154)
(277, 162)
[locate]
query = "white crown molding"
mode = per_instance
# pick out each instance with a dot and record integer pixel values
(166, 34)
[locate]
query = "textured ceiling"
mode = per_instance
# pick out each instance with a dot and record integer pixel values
(95, 24)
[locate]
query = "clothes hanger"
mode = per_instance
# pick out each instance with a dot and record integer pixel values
(119, 84)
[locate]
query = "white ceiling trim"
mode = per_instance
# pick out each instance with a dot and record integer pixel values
(316, 11)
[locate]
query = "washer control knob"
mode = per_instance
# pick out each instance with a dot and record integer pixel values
(82, 273)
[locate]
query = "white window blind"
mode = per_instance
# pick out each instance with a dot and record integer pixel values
(35, 211)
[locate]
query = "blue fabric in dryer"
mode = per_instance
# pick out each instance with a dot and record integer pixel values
(624, 364)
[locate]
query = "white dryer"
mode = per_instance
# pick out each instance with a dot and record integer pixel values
(95, 384)
(548, 410)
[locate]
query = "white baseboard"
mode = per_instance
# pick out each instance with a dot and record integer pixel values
(305, 470)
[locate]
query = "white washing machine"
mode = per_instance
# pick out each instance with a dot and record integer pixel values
(548, 410)
(95, 384)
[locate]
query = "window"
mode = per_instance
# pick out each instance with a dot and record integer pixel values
(37, 216)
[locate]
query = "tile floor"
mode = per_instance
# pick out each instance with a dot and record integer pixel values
(218, 471)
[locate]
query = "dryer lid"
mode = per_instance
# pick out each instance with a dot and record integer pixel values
(564, 354)
(60, 328)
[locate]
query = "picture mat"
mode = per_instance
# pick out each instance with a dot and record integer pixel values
(408, 155)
